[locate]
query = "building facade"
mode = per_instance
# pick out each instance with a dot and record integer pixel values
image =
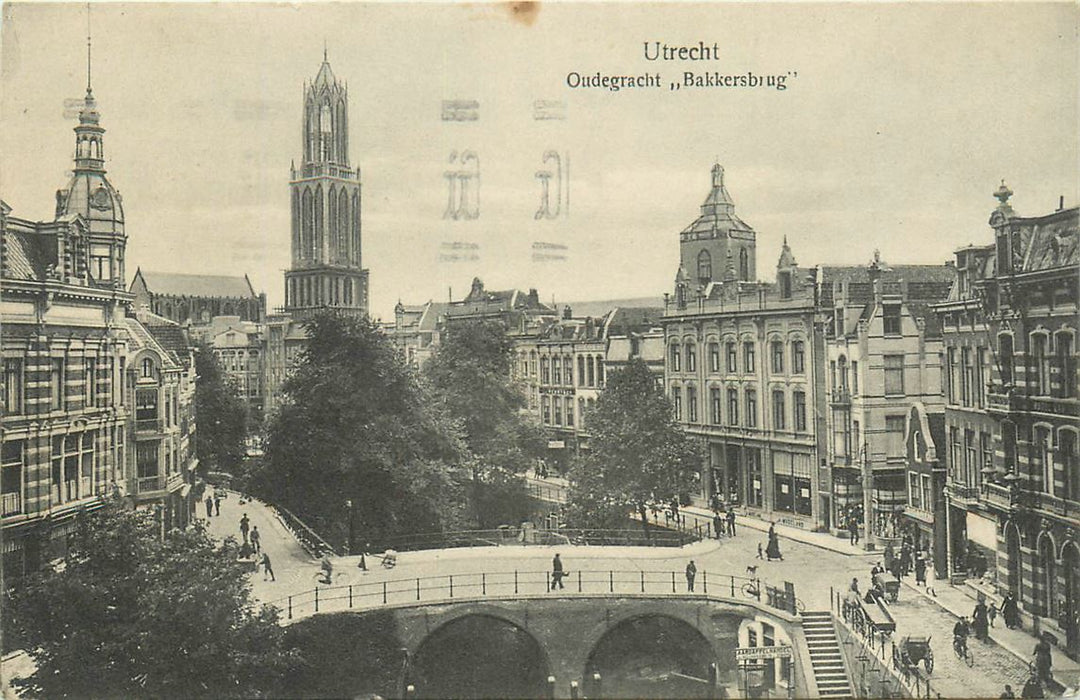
(1028, 489)
(326, 270)
(197, 299)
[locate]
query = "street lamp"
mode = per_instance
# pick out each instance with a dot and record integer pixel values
(349, 506)
(868, 485)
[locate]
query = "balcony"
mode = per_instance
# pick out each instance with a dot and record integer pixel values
(148, 484)
(10, 503)
(963, 494)
(149, 426)
(998, 496)
(998, 402)
(840, 396)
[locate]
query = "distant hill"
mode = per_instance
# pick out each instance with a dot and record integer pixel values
(597, 309)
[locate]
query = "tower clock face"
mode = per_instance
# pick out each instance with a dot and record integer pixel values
(100, 199)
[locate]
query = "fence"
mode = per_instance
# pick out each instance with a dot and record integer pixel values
(310, 540)
(422, 589)
(879, 675)
(656, 537)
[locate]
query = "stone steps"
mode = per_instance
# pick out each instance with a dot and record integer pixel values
(826, 660)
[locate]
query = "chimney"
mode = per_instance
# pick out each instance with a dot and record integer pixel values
(874, 270)
(567, 313)
(1061, 203)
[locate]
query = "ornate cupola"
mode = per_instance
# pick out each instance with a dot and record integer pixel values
(718, 239)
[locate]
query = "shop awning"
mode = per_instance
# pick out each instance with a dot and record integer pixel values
(981, 531)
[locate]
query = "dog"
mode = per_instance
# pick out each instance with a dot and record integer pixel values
(751, 571)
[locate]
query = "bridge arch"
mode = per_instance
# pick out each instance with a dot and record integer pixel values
(452, 661)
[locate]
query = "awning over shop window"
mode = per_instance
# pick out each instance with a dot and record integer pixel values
(982, 531)
(556, 444)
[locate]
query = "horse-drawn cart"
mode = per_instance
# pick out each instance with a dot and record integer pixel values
(909, 652)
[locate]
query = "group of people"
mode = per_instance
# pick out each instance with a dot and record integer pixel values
(723, 522)
(213, 505)
(251, 546)
(772, 548)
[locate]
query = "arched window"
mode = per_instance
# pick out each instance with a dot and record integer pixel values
(332, 222)
(744, 265)
(704, 266)
(1048, 576)
(307, 230)
(344, 239)
(318, 223)
(355, 214)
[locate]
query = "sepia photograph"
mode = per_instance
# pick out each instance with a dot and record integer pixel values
(611, 349)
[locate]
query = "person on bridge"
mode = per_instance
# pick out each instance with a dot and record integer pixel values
(254, 536)
(217, 503)
(557, 573)
(268, 568)
(244, 526)
(209, 506)
(691, 572)
(731, 522)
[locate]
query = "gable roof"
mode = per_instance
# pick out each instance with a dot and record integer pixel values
(180, 284)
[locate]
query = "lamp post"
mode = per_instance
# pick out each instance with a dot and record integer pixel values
(352, 528)
(867, 487)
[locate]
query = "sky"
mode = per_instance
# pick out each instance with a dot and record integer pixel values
(897, 124)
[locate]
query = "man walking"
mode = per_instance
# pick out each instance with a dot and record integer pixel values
(268, 568)
(217, 504)
(557, 573)
(731, 522)
(255, 538)
(691, 572)
(244, 527)
(718, 526)
(853, 528)
(209, 506)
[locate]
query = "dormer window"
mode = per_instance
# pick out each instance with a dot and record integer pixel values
(704, 267)
(147, 368)
(785, 285)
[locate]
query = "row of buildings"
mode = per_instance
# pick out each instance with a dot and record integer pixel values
(98, 398)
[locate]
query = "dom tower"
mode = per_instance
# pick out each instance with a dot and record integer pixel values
(326, 270)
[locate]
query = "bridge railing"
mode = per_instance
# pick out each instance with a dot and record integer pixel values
(505, 584)
(657, 537)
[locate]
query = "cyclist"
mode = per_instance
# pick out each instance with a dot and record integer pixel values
(960, 631)
(327, 571)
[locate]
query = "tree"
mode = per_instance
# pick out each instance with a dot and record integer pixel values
(469, 374)
(129, 614)
(355, 428)
(637, 453)
(221, 416)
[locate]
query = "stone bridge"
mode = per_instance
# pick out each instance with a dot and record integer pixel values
(574, 636)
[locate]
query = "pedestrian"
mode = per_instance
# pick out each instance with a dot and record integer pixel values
(853, 529)
(980, 620)
(1043, 661)
(876, 569)
(268, 568)
(718, 526)
(772, 551)
(1008, 693)
(691, 572)
(905, 560)
(920, 569)
(217, 504)
(244, 527)
(992, 614)
(731, 522)
(209, 506)
(557, 573)
(254, 536)
(760, 551)
(1010, 612)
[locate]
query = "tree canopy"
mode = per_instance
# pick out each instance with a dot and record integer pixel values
(637, 452)
(221, 414)
(469, 375)
(131, 615)
(355, 427)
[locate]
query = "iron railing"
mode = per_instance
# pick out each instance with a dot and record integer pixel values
(657, 537)
(507, 584)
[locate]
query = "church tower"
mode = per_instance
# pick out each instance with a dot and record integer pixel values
(326, 271)
(717, 246)
(89, 194)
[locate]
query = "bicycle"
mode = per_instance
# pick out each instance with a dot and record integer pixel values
(752, 589)
(963, 651)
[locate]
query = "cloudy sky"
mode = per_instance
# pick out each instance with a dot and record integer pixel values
(897, 124)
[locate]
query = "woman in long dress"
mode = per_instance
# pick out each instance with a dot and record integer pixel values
(773, 550)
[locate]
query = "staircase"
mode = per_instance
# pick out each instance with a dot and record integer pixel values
(830, 673)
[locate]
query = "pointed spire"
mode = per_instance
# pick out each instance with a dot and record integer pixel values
(325, 52)
(88, 64)
(718, 201)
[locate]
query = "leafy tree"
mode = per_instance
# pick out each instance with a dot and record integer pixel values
(221, 416)
(131, 615)
(469, 374)
(356, 428)
(637, 453)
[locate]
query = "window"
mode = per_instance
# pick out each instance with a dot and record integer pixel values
(581, 370)
(914, 493)
(951, 377)
(890, 317)
(581, 412)
(732, 360)
(704, 266)
(56, 384)
(676, 397)
(854, 378)
(100, 262)
(842, 433)
(778, 409)
(986, 445)
(556, 370)
(568, 370)
(545, 371)
(785, 285)
(1005, 356)
(146, 459)
(1066, 356)
(956, 455)
(799, 399)
(675, 358)
(982, 369)
(732, 407)
(599, 371)
(714, 403)
(1043, 458)
(691, 403)
(691, 358)
(11, 477)
(798, 357)
(894, 436)
(591, 367)
(751, 408)
(748, 358)
(966, 376)
(1041, 359)
(570, 411)
(545, 410)
(556, 405)
(714, 357)
(1067, 451)
(148, 368)
(894, 375)
(146, 404)
(927, 492)
(777, 357)
(971, 458)
(13, 386)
